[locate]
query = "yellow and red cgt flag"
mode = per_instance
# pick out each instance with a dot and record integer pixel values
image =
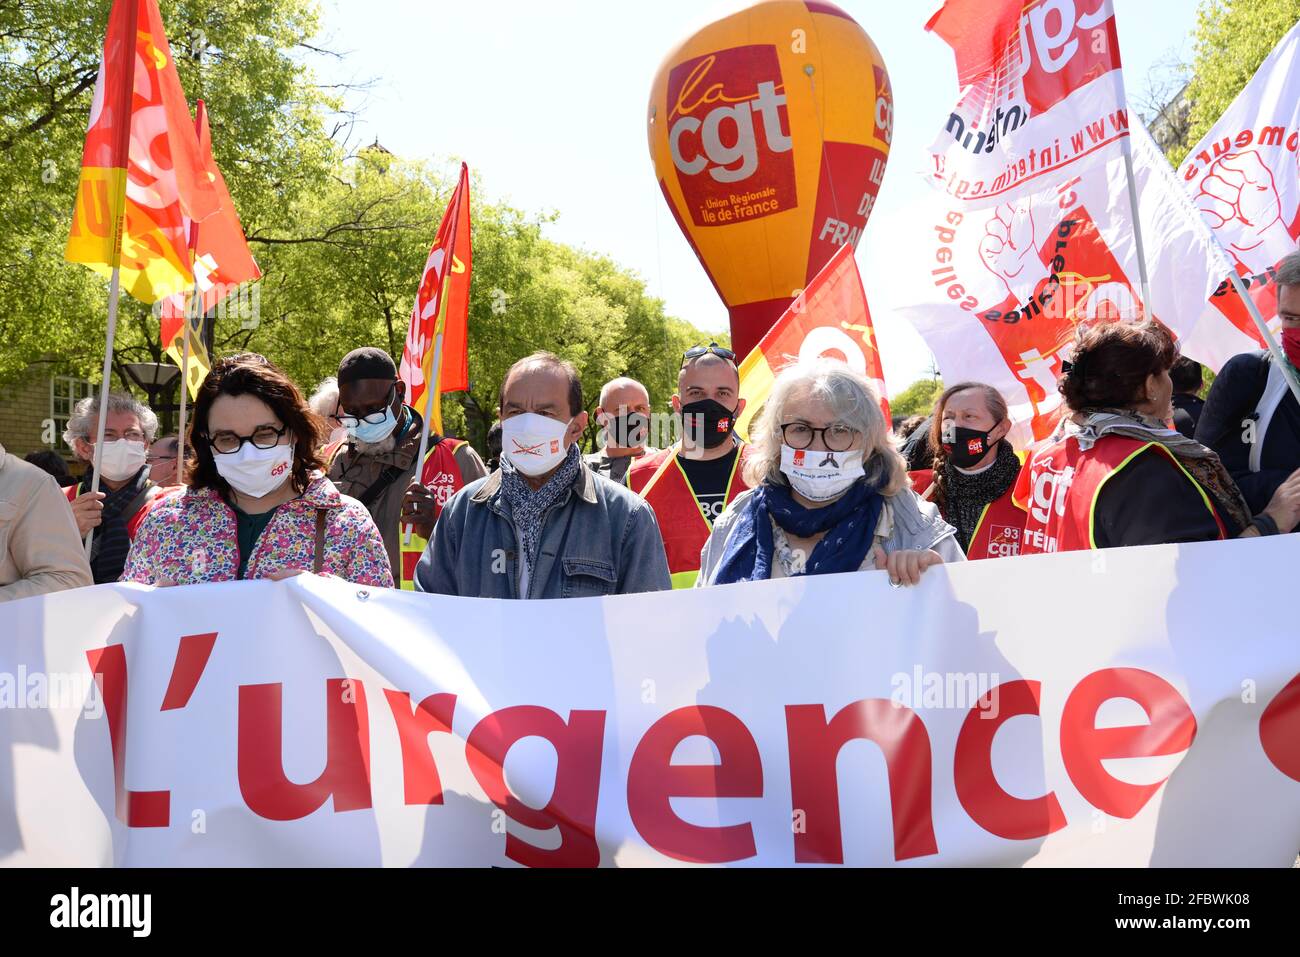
(141, 170)
(221, 261)
(829, 318)
(441, 308)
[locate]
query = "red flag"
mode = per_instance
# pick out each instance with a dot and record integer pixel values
(141, 169)
(829, 318)
(442, 308)
(221, 261)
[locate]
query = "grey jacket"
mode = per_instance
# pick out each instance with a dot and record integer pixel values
(906, 522)
(598, 539)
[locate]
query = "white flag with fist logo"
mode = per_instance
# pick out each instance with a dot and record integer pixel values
(1244, 179)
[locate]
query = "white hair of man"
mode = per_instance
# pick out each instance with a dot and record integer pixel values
(622, 382)
(325, 400)
(84, 422)
(851, 401)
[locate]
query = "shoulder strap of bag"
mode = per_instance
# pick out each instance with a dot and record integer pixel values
(1275, 390)
(386, 478)
(318, 559)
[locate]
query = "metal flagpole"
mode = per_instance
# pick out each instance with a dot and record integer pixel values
(1126, 148)
(435, 379)
(429, 389)
(114, 293)
(185, 384)
(1278, 355)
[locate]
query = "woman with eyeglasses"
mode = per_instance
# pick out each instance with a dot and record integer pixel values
(830, 493)
(257, 505)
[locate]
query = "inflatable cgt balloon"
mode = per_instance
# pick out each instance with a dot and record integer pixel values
(769, 130)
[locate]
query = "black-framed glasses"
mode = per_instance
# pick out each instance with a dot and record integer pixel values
(370, 418)
(712, 348)
(264, 437)
(800, 435)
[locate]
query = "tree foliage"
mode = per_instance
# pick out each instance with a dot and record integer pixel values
(341, 235)
(917, 399)
(1232, 39)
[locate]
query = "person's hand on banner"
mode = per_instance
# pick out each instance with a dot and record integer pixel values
(1239, 196)
(1007, 248)
(87, 509)
(906, 565)
(419, 507)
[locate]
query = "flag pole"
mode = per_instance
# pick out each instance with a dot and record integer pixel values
(435, 379)
(114, 294)
(185, 384)
(1126, 148)
(1271, 343)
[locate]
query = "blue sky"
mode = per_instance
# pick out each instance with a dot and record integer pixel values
(547, 103)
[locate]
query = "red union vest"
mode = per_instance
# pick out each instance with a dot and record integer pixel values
(1060, 486)
(440, 475)
(1001, 524)
(660, 480)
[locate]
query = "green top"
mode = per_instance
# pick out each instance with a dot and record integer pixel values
(248, 529)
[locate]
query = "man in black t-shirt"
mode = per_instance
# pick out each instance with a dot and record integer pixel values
(690, 484)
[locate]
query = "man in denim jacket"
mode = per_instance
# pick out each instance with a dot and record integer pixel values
(543, 525)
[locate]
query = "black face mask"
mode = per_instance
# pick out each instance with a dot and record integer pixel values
(718, 421)
(968, 446)
(628, 431)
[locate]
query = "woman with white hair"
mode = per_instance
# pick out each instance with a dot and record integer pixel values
(114, 512)
(830, 492)
(325, 403)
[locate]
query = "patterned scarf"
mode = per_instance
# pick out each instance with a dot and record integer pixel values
(849, 523)
(528, 508)
(1201, 463)
(966, 495)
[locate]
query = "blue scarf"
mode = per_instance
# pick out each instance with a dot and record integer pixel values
(849, 522)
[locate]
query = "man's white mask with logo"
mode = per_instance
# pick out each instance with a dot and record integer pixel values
(533, 443)
(256, 472)
(818, 475)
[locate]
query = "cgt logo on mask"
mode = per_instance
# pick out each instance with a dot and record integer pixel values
(729, 128)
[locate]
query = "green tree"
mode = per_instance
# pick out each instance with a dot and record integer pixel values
(918, 398)
(1232, 39)
(246, 58)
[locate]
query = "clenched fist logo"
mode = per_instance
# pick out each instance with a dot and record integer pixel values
(1008, 247)
(1239, 198)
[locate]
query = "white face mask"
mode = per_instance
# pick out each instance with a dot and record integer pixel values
(121, 459)
(818, 475)
(533, 443)
(256, 472)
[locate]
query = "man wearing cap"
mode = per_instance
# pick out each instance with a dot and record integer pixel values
(690, 483)
(378, 463)
(624, 418)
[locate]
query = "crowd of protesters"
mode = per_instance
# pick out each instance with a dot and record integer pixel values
(269, 484)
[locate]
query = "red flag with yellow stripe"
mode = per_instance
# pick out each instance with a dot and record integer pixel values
(221, 261)
(441, 309)
(829, 318)
(141, 169)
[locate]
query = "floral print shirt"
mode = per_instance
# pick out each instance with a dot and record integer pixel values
(190, 536)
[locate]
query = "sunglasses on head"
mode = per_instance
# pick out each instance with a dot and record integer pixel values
(713, 348)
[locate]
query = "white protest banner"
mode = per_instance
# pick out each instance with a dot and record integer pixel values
(1041, 96)
(998, 291)
(1243, 177)
(1131, 707)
